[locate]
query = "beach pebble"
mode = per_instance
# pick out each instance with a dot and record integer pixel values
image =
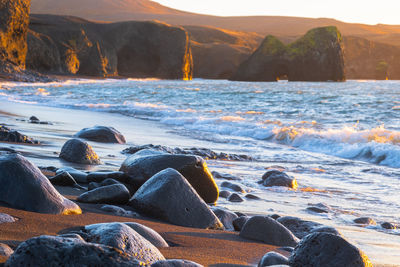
(235, 198)
(224, 194)
(388, 225)
(169, 197)
(79, 176)
(226, 176)
(269, 231)
(119, 211)
(8, 135)
(63, 179)
(5, 250)
(109, 181)
(226, 217)
(297, 226)
(5, 218)
(23, 186)
(273, 258)
(110, 194)
(365, 221)
(176, 263)
(101, 176)
(57, 251)
(34, 119)
(77, 151)
(239, 222)
(149, 234)
(278, 178)
(124, 238)
(324, 249)
(193, 168)
(274, 216)
(252, 197)
(101, 134)
(233, 186)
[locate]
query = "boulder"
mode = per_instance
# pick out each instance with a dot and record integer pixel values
(252, 197)
(101, 134)
(239, 222)
(278, 178)
(77, 151)
(169, 196)
(119, 211)
(57, 251)
(299, 227)
(149, 234)
(365, 221)
(106, 182)
(124, 238)
(224, 194)
(324, 249)
(273, 258)
(317, 56)
(269, 231)
(23, 186)
(79, 176)
(5, 250)
(63, 179)
(226, 217)
(235, 198)
(193, 168)
(388, 225)
(176, 263)
(110, 194)
(5, 218)
(233, 186)
(8, 135)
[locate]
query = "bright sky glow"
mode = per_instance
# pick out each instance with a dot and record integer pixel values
(367, 11)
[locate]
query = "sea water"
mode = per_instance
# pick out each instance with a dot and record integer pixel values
(339, 140)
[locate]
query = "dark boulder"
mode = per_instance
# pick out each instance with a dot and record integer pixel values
(176, 263)
(299, 227)
(235, 198)
(324, 249)
(226, 217)
(8, 135)
(224, 194)
(168, 196)
(63, 179)
(23, 186)
(233, 186)
(388, 225)
(77, 151)
(124, 238)
(101, 134)
(226, 176)
(273, 258)
(149, 234)
(110, 194)
(269, 231)
(106, 182)
(278, 178)
(79, 176)
(317, 56)
(239, 222)
(365, 221)
(5, 218)
(252, 197)
(193, 168)
(57, 251)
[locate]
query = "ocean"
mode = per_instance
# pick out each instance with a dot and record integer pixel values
(339, 140)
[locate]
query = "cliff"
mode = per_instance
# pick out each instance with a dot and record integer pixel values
(317, 56)
(70, 45)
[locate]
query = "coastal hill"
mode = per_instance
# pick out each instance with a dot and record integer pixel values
(287, 28)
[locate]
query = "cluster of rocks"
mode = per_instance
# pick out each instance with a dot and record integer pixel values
(8, 135)
(202, 152)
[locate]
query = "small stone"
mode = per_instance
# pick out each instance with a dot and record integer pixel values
(225, 176)
(273, 258)
(365, 221)
(226, 217)
(239, 222)
(77, 151)
(235, 198)
(326, 229)
(299, 227)
(5, 218)
(224, 194)
(63, 179)
(34, 119)
(275, 216)
(388, 225)
(252, 197)
(111, 194)
(106, 182)
(233, 186)
(101, 134)
(79, 176)
(120, 211)
(278, 178)
(99, 177)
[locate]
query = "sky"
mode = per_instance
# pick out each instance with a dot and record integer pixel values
(356, 11)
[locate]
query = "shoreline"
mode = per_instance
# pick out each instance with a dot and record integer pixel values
(63, 127)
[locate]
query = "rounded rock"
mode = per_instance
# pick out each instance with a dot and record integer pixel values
(149, 234)
(77, 151)
(365, 221)
(111, 194)
(101, 134)
(235, 198)
(278, 178)
(273, 258)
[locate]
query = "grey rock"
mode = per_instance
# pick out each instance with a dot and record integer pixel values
(111, 194)
(388, 225)
(101, 134)
(193, 168)
(106, 182)
(226, 217)
(5, 250)
(233, 186)
(77, 151)
(252, 197)
(235, 198)
(297, 226)
(5, 218)
(324, 249)
(8, 135)
(269, 231)
(79, 176)
(239, 222)
(124, 238)
(23, 186)
(120, 211)
(176, 263)
(226, 176)
(57, 251)
(275, 216)
(169, 196)
(365, 221)
(224, 194)
(101, 176)
(63, 179)
(326, 229)
(319, 208)
(278, 178)
(273, 258)
(148, 233)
